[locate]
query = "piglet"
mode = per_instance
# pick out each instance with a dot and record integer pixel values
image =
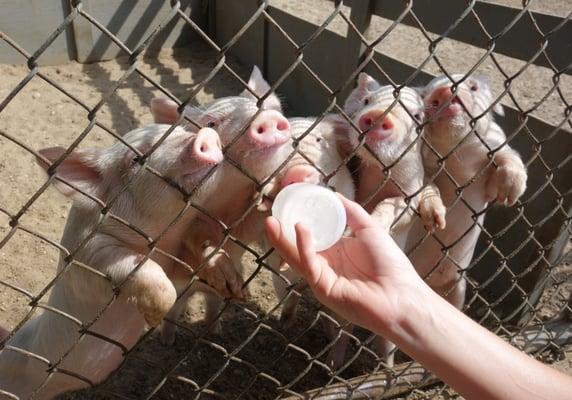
(256, 139)
(92, 316)
(317, 161)
(390, 130)
(467, 166)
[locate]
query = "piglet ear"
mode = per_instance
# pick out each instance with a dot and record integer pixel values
(336, 123)
(257, 84)
(164, 111)
(78, 168)
(340, 128)
(366, 82)
(260, 87)
(420, 90)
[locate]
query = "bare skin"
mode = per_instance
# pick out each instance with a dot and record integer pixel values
(390, 133)
(368, 280)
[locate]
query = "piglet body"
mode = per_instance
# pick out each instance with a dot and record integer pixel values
(256, 141)
(318, 161)
(390, 132)
(466, 165)
(117, 252)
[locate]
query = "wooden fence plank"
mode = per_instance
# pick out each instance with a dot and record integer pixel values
(229, 18)
(29, 23)
(131, 22)
(522, 41)
(305, 97)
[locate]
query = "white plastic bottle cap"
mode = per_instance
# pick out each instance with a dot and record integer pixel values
(317, 207)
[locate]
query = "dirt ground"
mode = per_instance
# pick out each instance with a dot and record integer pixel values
(261, 349)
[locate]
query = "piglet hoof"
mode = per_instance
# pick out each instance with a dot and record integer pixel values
(155, 295)
(221, 274)
(213, 320)
(433, 211)
(216, 328)
(287, 318)
(288, 315)
(506, 184)
(390, 361)
(385, 350)
(168, 333)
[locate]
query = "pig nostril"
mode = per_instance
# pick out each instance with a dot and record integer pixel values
(202, 149)
(435, 103)
(282, 126)
(386, 126)
(368, 121)
(260, 129)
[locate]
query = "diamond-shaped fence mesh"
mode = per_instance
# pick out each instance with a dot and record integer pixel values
(74, 324)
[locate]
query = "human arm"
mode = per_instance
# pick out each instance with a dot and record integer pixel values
(368, 280)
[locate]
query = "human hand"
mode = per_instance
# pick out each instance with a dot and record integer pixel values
(365, 278)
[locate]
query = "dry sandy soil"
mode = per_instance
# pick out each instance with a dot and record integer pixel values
(41, 116)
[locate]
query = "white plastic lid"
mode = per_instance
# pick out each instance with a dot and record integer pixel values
(317, 207)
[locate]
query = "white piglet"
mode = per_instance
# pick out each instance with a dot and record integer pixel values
(466, 166)
(390, 131)
(115, 250)
(318, 161)
(255, 146)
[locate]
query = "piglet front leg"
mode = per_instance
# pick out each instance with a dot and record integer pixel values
(153, 291)
(392, 214)
(506, 182)
(149, 286)
(431, 208)
(221, 273)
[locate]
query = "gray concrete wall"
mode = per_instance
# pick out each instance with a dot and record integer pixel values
(30, 22)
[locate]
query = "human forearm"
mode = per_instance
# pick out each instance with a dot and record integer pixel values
(472, 360)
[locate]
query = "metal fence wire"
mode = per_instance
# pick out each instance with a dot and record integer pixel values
(254, 355)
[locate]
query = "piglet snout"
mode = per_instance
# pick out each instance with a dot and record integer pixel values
(440, 96)
(376, 125)
(300, 174)
(269, 128)
(206, 147)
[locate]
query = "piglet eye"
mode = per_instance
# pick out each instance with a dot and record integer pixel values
(211, 124)
(474, 87)
(366, 102)
(418, 116)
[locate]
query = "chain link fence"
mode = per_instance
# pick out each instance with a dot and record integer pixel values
(518, 280)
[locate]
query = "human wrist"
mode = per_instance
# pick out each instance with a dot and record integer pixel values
(417, 315)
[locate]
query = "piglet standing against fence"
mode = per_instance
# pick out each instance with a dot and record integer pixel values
(390, 133)
(466, 166)
(257, 142)
(316, 161)
(118, 254)
(389, 127)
